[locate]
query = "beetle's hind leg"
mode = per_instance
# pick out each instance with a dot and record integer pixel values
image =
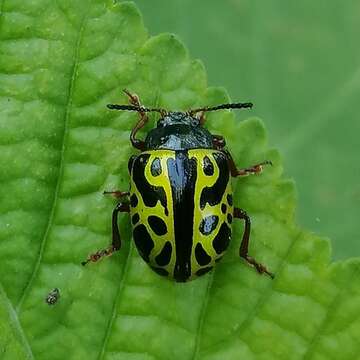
(244, 247)
(143, 119)
(116, 239)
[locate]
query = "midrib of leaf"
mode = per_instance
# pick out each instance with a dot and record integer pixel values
(15, 322)
(61, 167)
(116, 300)
(329, 314)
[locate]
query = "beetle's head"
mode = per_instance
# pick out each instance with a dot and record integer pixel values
(178, 118)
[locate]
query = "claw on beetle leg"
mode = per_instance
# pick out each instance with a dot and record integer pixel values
(99, 255)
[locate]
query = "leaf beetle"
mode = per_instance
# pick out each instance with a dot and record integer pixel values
(180, 199)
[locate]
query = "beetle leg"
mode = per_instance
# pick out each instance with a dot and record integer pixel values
(117, 193)
(244, 247)
(116, 240)
(218, 142)
(134, 100)
(255, 169)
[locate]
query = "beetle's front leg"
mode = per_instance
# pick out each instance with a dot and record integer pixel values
(255, 169)
(244, 247)
(116, 240)
(136, 143)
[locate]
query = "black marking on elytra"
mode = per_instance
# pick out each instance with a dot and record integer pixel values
(223, 208)
(182, 173)
(157, 225)
(143, 241)
(214, 194)
(155, 167)
(208, 224)
(229, 218)
(203, 270)
(229, 199)
(160, 271)
(165, 255)
(150, 194)
(135, 218)
(201, 255)
(208, 167)
(222, 239)
(130, 162)
(133, 200)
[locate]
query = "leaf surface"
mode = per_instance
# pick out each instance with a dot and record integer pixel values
(60, 63)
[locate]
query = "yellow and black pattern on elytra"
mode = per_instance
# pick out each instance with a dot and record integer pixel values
(181, 210)
(213, 210)
(151, 210)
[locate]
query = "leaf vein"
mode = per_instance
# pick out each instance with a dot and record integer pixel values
(35, 271)
(15, 323)
(329, 314)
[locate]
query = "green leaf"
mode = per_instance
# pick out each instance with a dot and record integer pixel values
(60, 63)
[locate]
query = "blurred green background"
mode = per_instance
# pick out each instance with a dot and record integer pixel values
(299, 62)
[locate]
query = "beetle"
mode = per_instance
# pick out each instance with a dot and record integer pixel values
(180, 199)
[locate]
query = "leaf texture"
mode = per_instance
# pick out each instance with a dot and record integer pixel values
(61, 62)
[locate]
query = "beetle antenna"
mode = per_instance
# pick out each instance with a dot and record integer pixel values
(135, 108)
(248, 105)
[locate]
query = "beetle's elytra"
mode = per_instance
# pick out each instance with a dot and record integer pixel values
(180, 200)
